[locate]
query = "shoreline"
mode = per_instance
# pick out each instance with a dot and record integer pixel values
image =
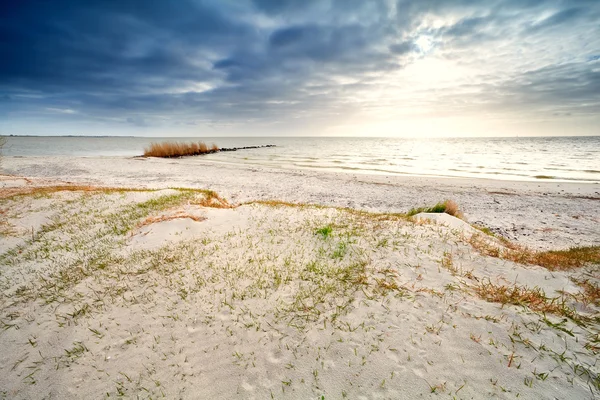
(202, 159)
(541, 214)
(333, 170)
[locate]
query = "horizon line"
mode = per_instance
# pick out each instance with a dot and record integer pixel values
(305, 136)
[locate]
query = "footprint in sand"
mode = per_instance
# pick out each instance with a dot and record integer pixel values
(247, 387)
(274, 357)
(420, 372)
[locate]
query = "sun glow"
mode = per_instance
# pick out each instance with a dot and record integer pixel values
(424, 44)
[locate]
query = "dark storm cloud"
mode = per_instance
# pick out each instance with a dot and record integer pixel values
(322, 44)
(402, 48)
(81, 46)
(269, 59)
(281, 6)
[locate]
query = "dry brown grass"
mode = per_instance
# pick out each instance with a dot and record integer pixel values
(452, 208)
(572, 258)
(212, 199)
(448, 263)
(533, 298)
(590, 294)
(277, 203)
(178, 149)
(164, 218)
(6, 228)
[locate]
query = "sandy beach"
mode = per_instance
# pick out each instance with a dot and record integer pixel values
(185, 278)
(269, 199)
(540, 214)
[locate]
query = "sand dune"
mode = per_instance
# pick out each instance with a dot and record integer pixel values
(171, 293)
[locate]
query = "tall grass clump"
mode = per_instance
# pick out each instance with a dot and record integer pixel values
(178, 149)
(448, 207)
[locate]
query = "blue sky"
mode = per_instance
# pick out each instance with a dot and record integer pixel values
(305, 67)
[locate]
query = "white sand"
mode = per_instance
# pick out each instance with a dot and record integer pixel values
(253, 302)
(544, 215)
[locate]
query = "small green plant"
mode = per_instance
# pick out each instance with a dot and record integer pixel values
(325, 231)
(486, 230)
(341, 250)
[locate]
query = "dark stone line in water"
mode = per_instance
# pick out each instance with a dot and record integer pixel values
(244, 148)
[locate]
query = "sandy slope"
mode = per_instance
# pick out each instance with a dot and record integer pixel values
(539, 214)
(153, 294)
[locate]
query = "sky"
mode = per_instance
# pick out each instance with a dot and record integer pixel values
(421, 68)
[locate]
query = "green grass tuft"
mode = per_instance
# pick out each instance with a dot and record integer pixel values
(448, 207)
(325, 231)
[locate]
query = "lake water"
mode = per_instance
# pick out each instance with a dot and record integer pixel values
(558, 158)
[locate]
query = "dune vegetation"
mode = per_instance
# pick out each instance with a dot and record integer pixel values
(178, 149)
(150, 293)
(448, 207)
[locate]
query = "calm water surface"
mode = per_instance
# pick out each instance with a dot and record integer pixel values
(558, 158)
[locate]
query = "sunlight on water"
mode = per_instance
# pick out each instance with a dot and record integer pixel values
(562, 158)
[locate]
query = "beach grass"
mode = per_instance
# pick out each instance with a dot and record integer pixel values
(534, 298)
(447, 206)
(178, 149)
(335, 286)
(324, 231)
(575, 257)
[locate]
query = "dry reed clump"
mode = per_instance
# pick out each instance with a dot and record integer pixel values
(452, 208)
(572, 258)
(178, 149)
